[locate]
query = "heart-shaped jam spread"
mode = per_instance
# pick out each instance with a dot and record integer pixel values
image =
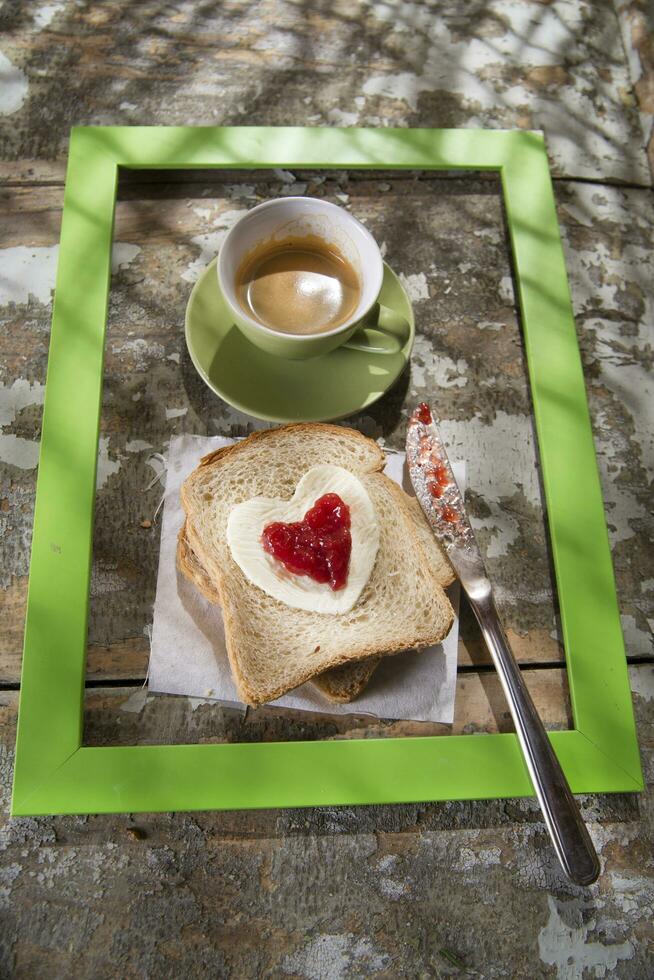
(318, 546)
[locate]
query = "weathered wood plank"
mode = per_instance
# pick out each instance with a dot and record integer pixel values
(131, 716)
(14, 173)
(558, 67)
(636, 18)
(271, 891)
(128, 660)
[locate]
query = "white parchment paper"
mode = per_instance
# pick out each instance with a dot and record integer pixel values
(188, 642)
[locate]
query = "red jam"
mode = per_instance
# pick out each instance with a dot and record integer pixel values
(423, 413)
(437, 479)
(318, 546)
(449, 515)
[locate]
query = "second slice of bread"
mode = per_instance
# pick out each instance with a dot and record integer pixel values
(273, 647)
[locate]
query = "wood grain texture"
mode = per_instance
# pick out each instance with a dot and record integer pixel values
(131, 716)
(557, 67)
(418, 890)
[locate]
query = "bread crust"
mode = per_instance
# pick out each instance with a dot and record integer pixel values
(220, 582)
(192, 568)
(282, 431)
(342, 685)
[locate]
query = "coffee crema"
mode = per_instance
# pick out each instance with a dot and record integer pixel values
(298, 285)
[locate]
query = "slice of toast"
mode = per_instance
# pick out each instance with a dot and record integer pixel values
(339, 684)
(345, 683)
(273, 647)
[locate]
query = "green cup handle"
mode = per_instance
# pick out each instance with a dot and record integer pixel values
(382, 332)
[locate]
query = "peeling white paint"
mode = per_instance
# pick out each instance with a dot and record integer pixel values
(122, 255)
(44, 16)
(9, 873)
(638, 643)
(493, 235)
(17, 451)
(481, 72)
(641, 677)
(504, 533)
(457, 65)
(14, 398)
(568, 949)
(196, 703)
(173, 357)
(501, 461)
(13, 86)
(27, 271)
(441, 371)
(210, 243)
(136, 702)
(137, 446)
(600, 279)
(416, 285)
(387, 863)
(297, 190)
(633, 385)
(285, 45)
(175, 413)
(505, 290)
(240, 190)
(469, 858)
(450, 374)
(341, 118)
(106, 466)
(631, 892)
(490, 325)
(389, 886)
(127, 106)
(285, 176)
(335, 957)
(30, 270)
(405, 86)
(393, 889)
(142, 351)
(620, 502)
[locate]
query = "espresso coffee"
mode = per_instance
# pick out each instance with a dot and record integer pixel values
(298, 286)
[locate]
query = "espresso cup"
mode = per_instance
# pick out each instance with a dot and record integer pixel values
(368, 327)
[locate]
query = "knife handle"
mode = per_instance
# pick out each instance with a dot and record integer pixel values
(563, 819)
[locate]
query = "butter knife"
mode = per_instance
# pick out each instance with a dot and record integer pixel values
(442, 503)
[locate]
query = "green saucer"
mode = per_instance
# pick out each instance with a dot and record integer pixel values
(278, 390)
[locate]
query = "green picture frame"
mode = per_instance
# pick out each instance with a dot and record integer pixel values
(55, 772)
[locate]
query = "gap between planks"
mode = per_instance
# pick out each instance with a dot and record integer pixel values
(128, 177)
(96, 683)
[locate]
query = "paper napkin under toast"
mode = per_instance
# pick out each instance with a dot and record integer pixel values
(188, 653)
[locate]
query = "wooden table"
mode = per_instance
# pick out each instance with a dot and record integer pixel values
(421, 890)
